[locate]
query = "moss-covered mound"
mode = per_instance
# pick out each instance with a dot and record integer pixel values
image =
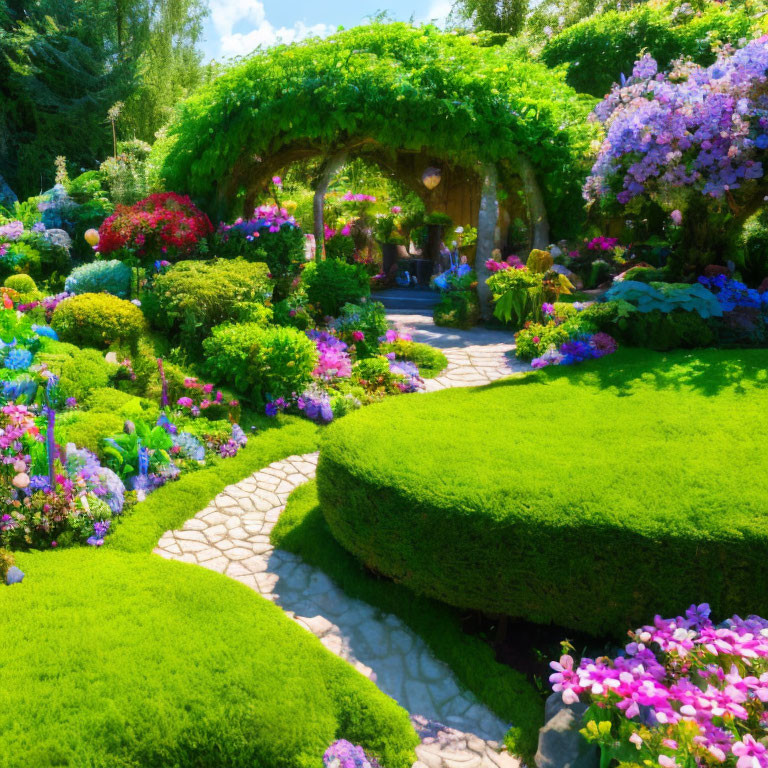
(117, 660)
(591, 497)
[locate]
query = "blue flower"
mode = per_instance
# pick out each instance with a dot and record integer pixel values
(45, 330)
(761, 142)
(18, 359)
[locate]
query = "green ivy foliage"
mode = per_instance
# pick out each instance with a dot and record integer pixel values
(598, 50)
(379, 85)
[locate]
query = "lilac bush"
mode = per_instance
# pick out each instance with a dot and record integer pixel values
(692, 140)
(683, 692)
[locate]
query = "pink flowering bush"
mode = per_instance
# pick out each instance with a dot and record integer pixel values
(692, 140)
(684, 692)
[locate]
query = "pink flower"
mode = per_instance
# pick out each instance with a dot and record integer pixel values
(277, 181)
(208, 388)
(751, 753)
(677, 217)
(358, 335)
(184, 402)
(665, 761)
(396, 209)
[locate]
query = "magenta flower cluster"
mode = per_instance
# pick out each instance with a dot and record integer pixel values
(353, 197)
(511, 262)
(333, 360)
(700, 128)
(684, 692)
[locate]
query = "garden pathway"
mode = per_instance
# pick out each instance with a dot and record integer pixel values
(231, 536)
(475, 357)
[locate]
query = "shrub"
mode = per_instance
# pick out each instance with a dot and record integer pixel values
(665, 330)
(635, 518)
(122, 404)
(148, 622)
(332, 283)
(457, 309)
(428, 360)
(666, 297)
(271, 236)
(87, 429)
(262, 363)
(340, 247)
(98, 320)
(161, 226)
(370, 319)
(21, 283)
(101, 276)
(517, 295)
(754, 242)
(194, 296)
(85, 371)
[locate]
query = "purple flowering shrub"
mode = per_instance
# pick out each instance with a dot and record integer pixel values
(683, 692)
(693, 140)
(271, 235)
(344, 754)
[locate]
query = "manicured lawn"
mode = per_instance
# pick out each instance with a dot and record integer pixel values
(117, 658)
(113, 659)
(302, 529)
(592, 497)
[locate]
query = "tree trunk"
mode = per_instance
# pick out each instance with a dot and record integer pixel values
(537, 211)
(486, 232)
(328, 171)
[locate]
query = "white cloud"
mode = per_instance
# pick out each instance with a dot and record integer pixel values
(439, 11)
(227, 15)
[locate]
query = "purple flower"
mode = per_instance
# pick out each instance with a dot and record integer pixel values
(548, 309)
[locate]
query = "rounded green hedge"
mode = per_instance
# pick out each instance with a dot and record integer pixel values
(142, 662)
(590, 497)
(98, 320)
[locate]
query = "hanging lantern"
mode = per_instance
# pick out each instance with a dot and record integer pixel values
(431, 178)
(92, 237)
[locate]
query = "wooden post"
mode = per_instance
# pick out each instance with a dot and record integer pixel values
(486, 234)
(328, 171)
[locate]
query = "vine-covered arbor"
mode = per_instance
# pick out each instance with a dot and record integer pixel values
(405, 97)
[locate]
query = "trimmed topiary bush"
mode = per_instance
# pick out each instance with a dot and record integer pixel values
(123, 404)
(170, 665)
(194, 296)
(262, 363)
(645, 508)
(98, 320)
(21, 283)
(101, 277)
(332, 283)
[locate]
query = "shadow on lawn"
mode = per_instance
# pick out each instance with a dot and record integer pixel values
(707, 372)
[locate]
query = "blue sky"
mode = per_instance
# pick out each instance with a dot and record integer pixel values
(236, 27)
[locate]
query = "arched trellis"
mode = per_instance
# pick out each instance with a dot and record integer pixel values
(253, 173)
(404, 96)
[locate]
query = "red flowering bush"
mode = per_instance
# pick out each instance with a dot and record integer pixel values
(161, 226)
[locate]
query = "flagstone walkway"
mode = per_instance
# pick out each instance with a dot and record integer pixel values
(231, 536)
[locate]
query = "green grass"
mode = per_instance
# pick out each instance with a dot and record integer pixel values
(302, 529)
(429, 360)
(115, 658)
(590, 497)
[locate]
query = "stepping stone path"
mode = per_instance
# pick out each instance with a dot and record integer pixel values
(231, 536)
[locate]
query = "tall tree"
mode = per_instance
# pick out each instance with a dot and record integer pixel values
(495, 15)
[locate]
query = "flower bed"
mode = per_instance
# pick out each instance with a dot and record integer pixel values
(683, 691)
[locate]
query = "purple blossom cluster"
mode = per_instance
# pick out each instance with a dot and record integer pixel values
(344, 754)
(702, 128)
(268, 217)
(333, 360)
(683, 692)
(573, 351)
